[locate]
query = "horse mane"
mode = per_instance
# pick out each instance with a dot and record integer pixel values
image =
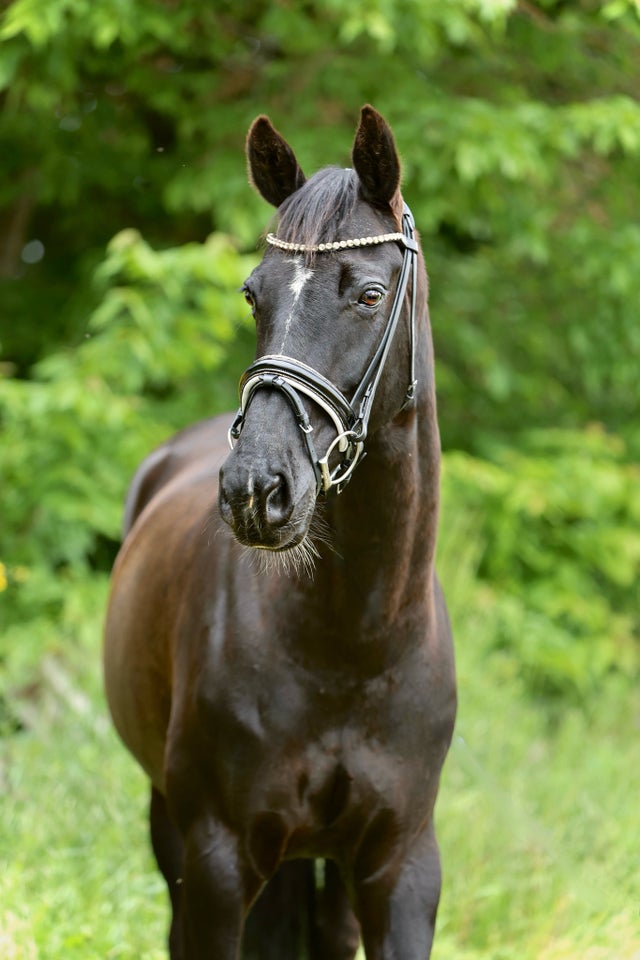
(315, 212)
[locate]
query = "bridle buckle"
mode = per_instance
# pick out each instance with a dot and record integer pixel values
(353, 449)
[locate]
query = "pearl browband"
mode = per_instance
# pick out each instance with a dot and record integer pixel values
(339, 244)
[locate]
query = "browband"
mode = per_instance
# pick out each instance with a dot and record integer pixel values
(408, 242)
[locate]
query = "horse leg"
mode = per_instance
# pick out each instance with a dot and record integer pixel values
(278, 923)
(398, 915)
(216, 892)
(168, 850)
(292, 920)
(336, 933)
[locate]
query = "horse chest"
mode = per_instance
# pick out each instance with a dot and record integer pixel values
(300, 768)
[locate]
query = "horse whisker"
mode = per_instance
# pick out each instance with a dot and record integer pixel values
(298, 560)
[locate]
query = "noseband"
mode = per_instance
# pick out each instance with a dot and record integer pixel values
(295, 379)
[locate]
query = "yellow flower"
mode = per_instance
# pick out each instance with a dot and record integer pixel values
(3, 577)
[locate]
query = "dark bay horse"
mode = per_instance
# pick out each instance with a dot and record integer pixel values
(285, 677)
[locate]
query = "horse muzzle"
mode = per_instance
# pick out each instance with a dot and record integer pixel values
(267, 501)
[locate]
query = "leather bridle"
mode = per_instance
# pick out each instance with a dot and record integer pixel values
(296, 379)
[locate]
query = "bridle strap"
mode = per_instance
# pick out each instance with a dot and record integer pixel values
(292, 377)
(350, 419)
(301, 377)
(363, 397)
(413, 383)
(271, 378)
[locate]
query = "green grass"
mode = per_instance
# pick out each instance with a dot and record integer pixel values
(538, 824)
(537, 816)
(537, 819)
(78, 880)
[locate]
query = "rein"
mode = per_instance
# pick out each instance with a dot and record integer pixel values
(295, 379)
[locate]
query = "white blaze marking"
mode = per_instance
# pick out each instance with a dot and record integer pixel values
(302, 274)
(300, 277)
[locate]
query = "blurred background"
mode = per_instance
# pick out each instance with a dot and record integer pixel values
(127, 226)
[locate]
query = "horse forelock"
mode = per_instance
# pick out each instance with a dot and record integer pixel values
(316, 212)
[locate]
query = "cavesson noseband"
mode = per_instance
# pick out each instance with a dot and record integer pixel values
(295, 379)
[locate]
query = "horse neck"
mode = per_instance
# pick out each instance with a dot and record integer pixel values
(385, 521)
(375, 576)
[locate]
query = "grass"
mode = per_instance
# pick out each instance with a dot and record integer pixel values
(538, 826)
(78, 880)
(538, 810)
(537, 820)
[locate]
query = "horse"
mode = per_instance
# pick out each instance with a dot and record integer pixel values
(278, 654)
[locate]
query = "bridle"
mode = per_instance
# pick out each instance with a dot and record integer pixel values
(296, 380)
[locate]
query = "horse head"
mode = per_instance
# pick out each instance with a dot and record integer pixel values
(334, 332)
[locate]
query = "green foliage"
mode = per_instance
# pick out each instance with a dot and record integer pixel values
(164, 346)
(559, 520)
(166, 322)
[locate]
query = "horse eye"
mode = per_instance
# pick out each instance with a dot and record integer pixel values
(371, 297)
(250, 300)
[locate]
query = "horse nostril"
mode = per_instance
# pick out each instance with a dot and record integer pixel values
(277, 502)
(255, 507)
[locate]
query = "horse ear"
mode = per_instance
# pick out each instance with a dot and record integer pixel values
(273, 168)
(375, 160)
